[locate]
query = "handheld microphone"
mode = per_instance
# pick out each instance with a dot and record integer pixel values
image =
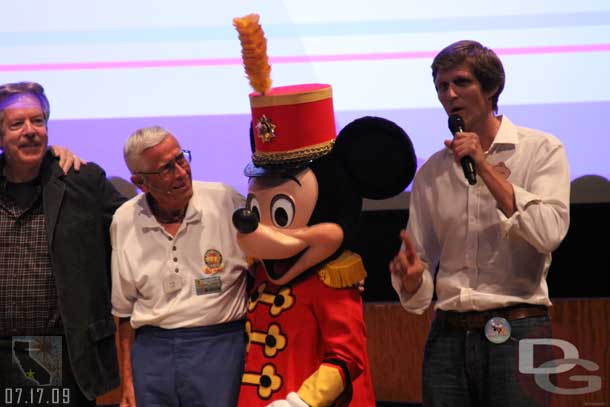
(456, 124)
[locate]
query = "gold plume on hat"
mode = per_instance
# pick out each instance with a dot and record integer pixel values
(254, 52)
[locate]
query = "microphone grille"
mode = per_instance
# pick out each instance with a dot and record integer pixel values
(456, 123)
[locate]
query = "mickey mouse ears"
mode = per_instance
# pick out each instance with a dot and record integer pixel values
(378, 155)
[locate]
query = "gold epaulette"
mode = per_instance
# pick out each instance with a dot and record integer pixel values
(345, 271)
(250, 261)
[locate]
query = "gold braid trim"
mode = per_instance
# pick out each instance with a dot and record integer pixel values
(308, 96)
(344, 271)
(302, 154)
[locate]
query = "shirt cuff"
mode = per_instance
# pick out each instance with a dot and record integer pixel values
(523, 199)
(419, 301)
(119, 314)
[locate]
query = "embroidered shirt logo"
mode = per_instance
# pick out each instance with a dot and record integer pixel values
(213, 261)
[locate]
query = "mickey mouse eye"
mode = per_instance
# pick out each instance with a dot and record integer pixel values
(255, 208)
(282, 211)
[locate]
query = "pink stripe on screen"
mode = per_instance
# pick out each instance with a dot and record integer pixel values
(379, 56)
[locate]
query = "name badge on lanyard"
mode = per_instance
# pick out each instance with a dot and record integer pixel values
(208, 285)
(172, 283)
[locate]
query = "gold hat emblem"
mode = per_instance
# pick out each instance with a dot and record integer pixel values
(265, 129)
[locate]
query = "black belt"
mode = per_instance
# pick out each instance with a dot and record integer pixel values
(478, 319)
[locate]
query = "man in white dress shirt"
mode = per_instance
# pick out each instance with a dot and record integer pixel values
(178, 281)
(491, 241)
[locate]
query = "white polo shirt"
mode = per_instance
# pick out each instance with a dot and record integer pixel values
(203, 260)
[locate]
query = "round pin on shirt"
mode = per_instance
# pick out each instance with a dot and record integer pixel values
(497, 330)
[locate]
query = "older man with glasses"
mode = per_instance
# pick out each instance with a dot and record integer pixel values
(179, 281)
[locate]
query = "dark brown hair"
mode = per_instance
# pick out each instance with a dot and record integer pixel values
(484, 63)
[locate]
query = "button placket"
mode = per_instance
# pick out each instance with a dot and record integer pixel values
(476, 228)
(470, 229)
(172, 260)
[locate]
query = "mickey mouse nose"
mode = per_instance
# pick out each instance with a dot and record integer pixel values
(245, 220)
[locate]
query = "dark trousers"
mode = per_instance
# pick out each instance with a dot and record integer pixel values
(188, 367)
(463, 368)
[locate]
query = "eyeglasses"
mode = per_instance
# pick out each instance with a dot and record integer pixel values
(168, 169)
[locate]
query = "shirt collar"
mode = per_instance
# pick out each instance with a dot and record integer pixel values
(147, 219)
(506, 135)
(194, 209)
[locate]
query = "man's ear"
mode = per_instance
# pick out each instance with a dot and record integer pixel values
(138, 180)
(490, 93)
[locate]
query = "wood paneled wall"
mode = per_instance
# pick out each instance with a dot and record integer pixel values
(396, 341)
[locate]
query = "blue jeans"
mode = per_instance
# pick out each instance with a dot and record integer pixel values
(462, 368)
(188, 367)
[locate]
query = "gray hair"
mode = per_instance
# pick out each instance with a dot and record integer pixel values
(10, 90)
(139, 141)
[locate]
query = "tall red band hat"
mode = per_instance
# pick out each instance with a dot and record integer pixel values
(291, 125)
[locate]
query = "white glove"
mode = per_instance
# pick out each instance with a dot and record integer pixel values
(292, 400)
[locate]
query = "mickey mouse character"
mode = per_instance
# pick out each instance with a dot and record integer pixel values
(307, 336)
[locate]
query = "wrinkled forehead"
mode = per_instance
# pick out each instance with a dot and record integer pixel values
(20, 101)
